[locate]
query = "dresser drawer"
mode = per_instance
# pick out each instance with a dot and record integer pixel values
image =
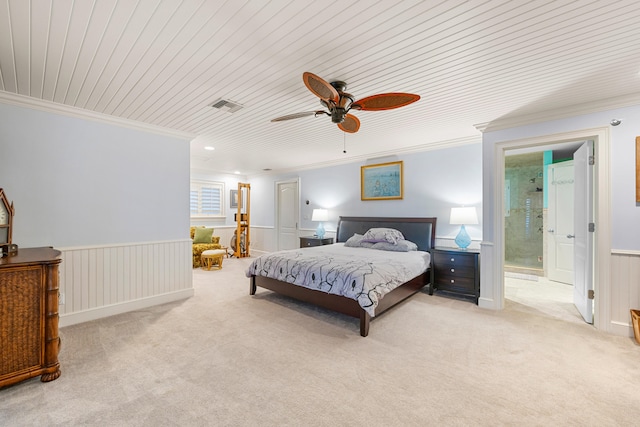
(456, 283)
(454, 260)
(455, 270)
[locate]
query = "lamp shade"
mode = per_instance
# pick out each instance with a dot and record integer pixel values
(463, 216)
(320, 215)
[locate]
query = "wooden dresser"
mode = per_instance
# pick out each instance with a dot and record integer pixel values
(456, 271)
(29, 341)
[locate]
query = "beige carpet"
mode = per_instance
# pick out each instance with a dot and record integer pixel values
(226, 358)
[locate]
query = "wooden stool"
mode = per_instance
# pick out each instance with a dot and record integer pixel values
(212, 257)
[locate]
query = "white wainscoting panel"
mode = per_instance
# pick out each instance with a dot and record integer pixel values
(625, 290)
(101, 281)
(263, 239)
(257, 236)
(225, 233)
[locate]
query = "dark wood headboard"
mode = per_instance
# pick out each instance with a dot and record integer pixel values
(421, 231)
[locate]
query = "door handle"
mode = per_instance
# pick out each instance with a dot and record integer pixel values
(550, 230)
(570, 236)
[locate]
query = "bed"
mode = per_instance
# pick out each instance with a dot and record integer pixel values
(420, 231)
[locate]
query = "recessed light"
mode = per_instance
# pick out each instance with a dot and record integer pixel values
(210, 148)
(237, 172)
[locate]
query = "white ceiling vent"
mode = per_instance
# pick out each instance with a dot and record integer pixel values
(226, 105)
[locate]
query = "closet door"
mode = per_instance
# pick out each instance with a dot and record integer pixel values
(287, 215)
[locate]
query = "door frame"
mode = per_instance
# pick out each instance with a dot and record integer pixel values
(601, 200)
(277, 184)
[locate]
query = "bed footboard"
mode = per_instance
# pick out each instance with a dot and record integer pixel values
(339, 303)
(421, 231)
(332, 302)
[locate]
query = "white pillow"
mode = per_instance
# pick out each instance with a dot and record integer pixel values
(401, 246)
(354, 241)
(376, 235)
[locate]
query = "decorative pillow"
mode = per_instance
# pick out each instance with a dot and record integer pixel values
(354, 241)
(401, 246)
(374, 240)
(390, 235)
(203, 235)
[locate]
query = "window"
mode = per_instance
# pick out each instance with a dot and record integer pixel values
(206, 198)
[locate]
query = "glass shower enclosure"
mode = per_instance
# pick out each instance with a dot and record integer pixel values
(524, 213)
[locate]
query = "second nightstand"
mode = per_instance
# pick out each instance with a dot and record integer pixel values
(308, 241)
(456, 271)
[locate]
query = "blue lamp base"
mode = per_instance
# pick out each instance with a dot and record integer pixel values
(462, 239)
(320, 231)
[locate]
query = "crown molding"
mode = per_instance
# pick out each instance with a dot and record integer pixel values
(560, 113)
(437, 145)
(80, 113)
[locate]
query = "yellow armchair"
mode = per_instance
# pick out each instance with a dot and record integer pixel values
(198, 248)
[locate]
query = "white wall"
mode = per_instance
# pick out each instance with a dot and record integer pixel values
(79, 182)
(434, 182)
(88, 187)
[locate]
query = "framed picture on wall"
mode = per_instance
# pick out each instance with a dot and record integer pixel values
(234, 199)
(382, 181)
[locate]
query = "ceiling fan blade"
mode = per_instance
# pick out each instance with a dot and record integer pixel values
(297, 115)
(320, 87)
(385, 101)
(351, 124)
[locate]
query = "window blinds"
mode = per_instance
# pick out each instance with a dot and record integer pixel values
(206, 198)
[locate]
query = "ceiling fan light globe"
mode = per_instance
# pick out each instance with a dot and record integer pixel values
(337, 115)
(345, 101)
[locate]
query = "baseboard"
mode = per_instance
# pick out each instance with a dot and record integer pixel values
(488, 303)
(622, 329)
(111, 310)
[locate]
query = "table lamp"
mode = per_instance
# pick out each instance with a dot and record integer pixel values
(320, 215)
(463, 216)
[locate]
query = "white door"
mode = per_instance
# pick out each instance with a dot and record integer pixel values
(287, 215)
(560, 227)
(583, 241)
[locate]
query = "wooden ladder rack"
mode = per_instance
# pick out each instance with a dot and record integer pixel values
(242, 218)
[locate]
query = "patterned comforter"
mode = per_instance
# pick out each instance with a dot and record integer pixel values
(362, 274)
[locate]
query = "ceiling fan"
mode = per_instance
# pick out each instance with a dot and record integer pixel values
(339, 103)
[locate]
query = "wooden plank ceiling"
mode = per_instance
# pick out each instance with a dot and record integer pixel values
(163, 62)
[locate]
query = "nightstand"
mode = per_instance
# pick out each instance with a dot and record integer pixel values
(309, 241)
(456, 271)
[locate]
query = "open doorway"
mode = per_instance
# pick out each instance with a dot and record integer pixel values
(539, 230)
(492, 291)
